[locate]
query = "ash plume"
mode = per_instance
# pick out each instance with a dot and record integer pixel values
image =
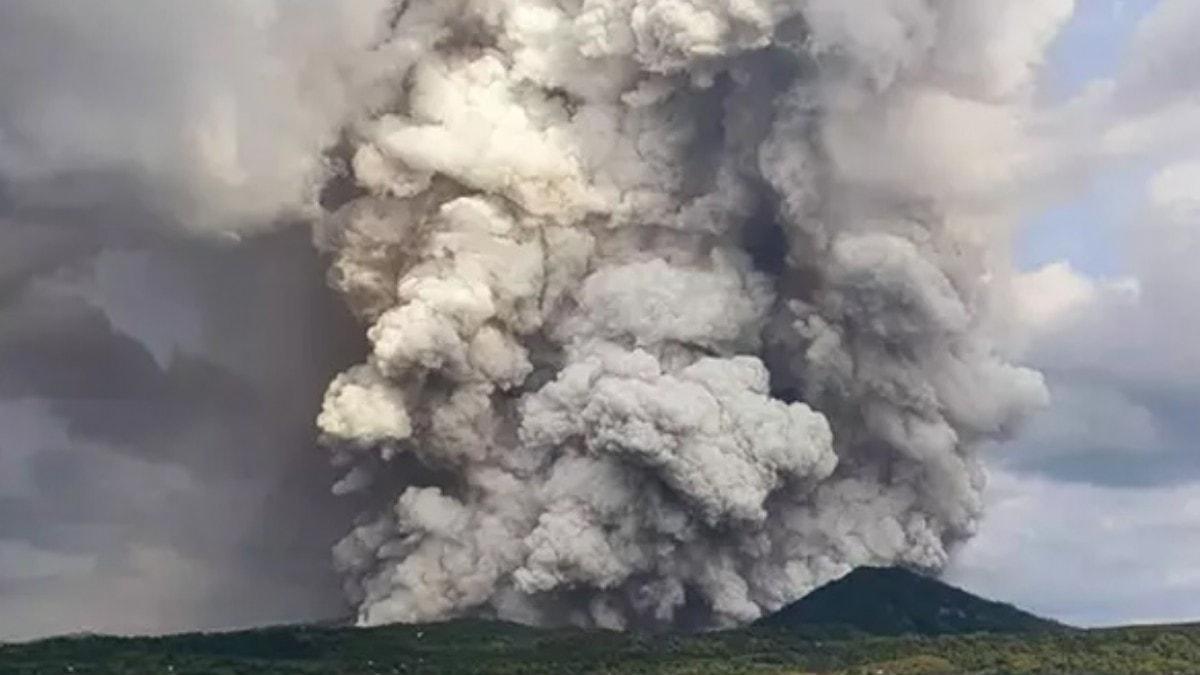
(681, 306)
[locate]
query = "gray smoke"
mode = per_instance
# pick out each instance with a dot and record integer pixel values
(158, 465)
(676, 308)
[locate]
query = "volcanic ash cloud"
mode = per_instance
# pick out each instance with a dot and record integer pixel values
(679, 305)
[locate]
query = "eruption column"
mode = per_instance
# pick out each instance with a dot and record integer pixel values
(679, 305)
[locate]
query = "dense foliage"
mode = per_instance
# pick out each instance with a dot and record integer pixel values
(479, 647)
(872, 622)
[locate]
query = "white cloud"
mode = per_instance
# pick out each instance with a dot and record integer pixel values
(1085, 554)
(1094, 513)
(1175, 192)
(1050, 295)
(1121, 377)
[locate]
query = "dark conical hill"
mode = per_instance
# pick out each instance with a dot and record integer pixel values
(895, 601)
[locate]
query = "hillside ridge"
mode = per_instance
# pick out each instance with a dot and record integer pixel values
(897, 601)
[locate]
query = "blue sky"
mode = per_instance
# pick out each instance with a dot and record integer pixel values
(1086, 228)
(1092, 45)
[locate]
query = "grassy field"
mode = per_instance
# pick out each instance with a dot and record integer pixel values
(483, 647)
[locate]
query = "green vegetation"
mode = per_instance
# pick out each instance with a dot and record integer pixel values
(873, 622)
(480, 647)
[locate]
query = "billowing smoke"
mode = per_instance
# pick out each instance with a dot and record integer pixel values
(678, 305)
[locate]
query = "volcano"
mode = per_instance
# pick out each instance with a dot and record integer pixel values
(896, 601)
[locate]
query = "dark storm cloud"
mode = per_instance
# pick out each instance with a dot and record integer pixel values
(203, 463)
(1107, 430)
(157, 387)
(197, 464)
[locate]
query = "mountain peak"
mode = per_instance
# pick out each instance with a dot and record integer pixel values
(896, 601)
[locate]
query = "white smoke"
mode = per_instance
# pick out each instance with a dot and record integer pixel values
(681, 302)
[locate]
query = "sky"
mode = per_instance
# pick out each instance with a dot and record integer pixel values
(137, 366)
(1094, 513)
(1084, 227)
